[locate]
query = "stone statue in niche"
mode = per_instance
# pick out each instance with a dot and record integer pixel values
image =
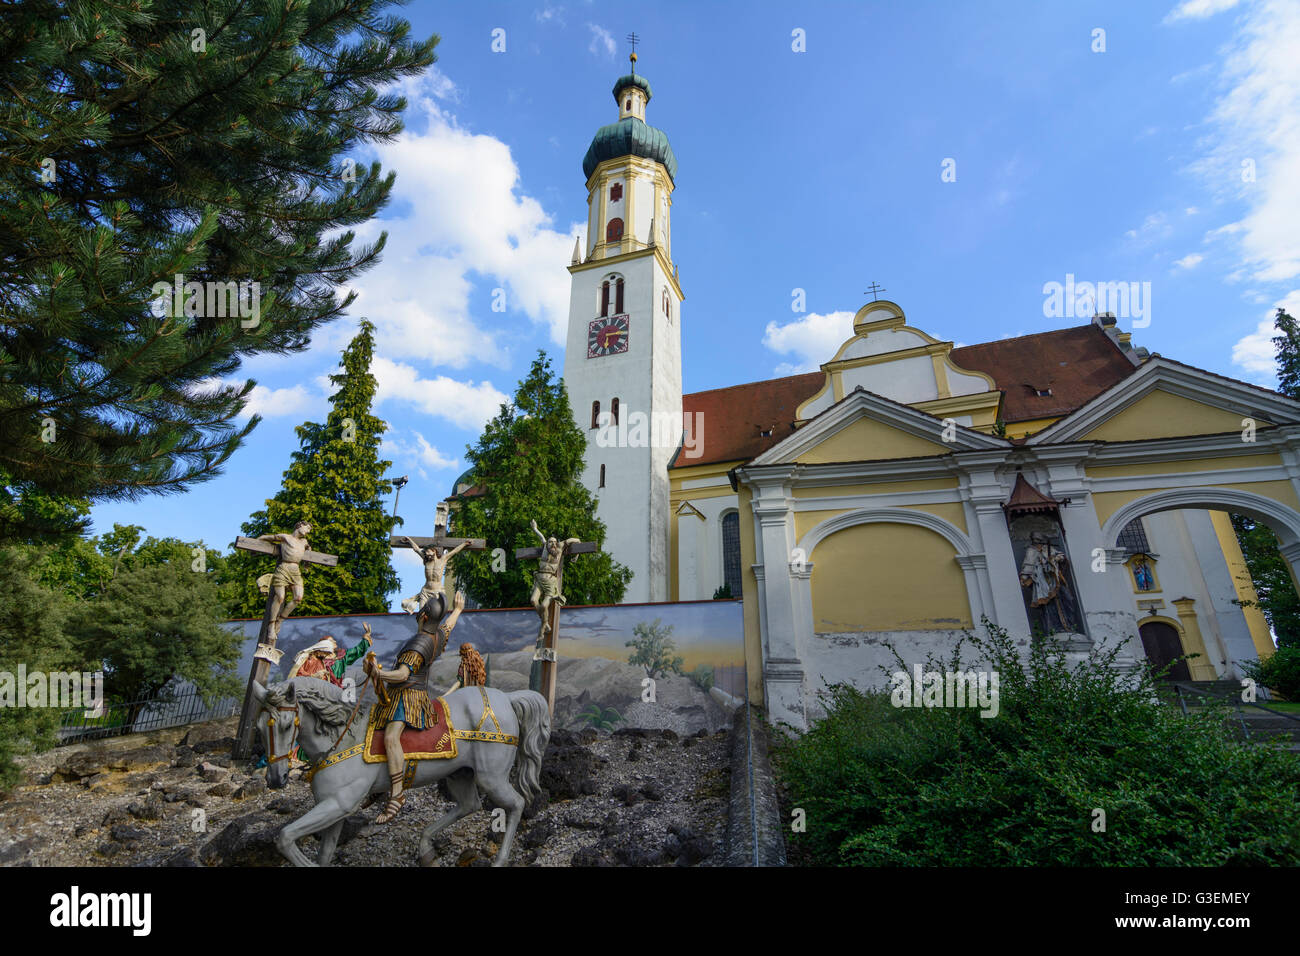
(1045, 576)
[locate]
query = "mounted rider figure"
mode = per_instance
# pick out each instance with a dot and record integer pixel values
(407, 700)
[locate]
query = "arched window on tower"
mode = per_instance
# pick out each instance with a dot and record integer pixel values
(731, 553)
(602, 476)
(614, 231)
(604, 297)
(668, 305)
(613, 411)
(618, 297)
(595, 414)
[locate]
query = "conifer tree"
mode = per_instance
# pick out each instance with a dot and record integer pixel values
(336, 482)
(140, 142)
(528, 461)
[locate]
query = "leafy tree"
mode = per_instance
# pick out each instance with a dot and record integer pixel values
(28, 514)
(335, 481)
(142, 142)
(653, 649)
(1274, 586)
(154, 622)
(528, 462)
(83, 568)
(33, 632)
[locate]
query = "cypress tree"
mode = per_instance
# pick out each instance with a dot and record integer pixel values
(336, 482)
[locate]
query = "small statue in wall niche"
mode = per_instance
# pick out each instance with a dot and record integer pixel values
(1044, 572)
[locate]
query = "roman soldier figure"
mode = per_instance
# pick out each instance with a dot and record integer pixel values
(407, 700)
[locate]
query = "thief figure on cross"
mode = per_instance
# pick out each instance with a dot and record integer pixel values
(546, 579)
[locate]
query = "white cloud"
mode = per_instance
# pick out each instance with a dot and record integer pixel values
(1255, 353)
(420, 453)
(279, 402)
(465, 404)
(1189, 261)
(812, 339)
(1153, 227)
(1257, 121)
(601, 39)
(1199, 9)
(466, 230)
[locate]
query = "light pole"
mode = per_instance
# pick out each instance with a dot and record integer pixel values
(398, 483)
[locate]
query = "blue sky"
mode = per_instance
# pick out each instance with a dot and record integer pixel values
(1170, 157)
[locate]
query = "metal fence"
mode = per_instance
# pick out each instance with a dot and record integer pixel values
(184, 705)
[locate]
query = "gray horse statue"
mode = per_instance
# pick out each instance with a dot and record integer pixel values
(313, 714)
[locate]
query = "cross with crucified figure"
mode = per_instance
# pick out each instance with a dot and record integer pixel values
(285, 582)
(547, 601)
(431, 603)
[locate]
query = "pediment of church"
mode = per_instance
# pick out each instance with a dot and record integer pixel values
(888, 357)
(868, 427)
(1166, 399)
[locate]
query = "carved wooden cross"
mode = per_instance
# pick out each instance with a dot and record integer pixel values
(266, 653)
(439, 540)
(545, 664)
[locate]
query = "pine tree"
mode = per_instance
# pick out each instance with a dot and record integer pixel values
(140, 142)
(335, 481)
(528, 461)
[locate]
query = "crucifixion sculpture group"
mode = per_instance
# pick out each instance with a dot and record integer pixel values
(285, 590)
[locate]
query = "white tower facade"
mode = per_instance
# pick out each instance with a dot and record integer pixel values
(622, 361)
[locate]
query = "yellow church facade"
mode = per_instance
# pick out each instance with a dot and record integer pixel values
(910, 489)
(1065, 482)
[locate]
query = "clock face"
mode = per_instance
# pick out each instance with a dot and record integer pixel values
(607, 336)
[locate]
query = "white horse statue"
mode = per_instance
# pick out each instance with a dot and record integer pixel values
(312, 713)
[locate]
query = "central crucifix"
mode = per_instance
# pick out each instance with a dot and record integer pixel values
(547, 600)
(431, 603)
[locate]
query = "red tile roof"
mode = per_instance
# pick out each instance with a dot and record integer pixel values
(1076, 365)
(735, 418)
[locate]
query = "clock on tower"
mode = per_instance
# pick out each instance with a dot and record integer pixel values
(607, 336)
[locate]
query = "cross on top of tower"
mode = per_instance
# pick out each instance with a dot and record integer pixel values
(632, 38)
(873, 289)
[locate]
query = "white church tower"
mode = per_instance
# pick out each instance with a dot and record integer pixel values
(622, 361)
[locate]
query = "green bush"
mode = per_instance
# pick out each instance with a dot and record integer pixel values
(1280, 673)
(887, 786)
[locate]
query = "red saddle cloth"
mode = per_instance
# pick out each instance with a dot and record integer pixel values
(433, 742)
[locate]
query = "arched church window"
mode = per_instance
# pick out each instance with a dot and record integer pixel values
(731, 552)
(604, 297)
(616, 192)
(627, 105)
(602, 476)
(613, 411)
(668, 308)
(614, 231)
(1133, 538)
(618, 297)
(595, 414)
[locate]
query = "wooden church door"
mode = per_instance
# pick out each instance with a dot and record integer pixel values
(1162, 644)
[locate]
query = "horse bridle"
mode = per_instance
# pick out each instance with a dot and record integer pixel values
(270, 736)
